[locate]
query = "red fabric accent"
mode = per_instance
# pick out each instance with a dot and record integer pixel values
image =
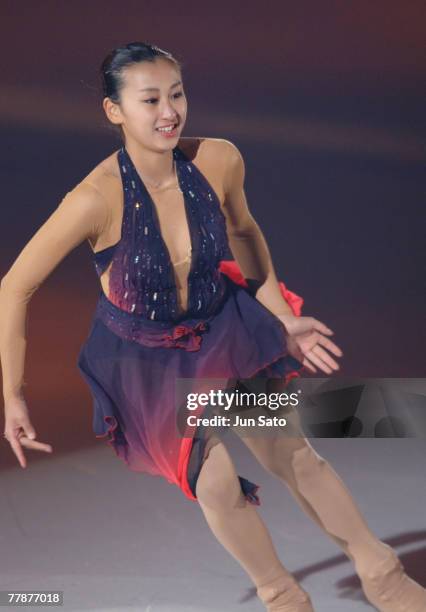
(182, 469)
(190, 336)
(232, 269)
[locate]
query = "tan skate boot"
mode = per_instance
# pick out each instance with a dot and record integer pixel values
(389, 589)
(284, 594)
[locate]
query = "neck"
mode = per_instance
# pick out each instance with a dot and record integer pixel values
(154, 167)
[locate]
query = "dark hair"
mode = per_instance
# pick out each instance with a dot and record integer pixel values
(121, 57)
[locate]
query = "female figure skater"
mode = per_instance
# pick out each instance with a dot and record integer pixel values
(159, 215)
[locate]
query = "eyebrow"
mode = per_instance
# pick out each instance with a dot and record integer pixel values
(157, 89)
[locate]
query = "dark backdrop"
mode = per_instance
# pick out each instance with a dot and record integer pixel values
(324, 100)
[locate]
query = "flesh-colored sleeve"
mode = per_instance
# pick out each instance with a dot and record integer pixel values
(246, 239)
(82, 214)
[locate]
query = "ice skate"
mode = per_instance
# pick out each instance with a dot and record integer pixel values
(284, 594)
(389, 589)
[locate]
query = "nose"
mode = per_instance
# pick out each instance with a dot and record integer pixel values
(168, 112)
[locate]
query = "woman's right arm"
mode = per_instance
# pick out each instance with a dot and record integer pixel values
(82, 214)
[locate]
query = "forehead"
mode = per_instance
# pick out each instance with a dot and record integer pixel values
(160, 73)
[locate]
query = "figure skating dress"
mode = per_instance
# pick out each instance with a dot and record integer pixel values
(140, 344)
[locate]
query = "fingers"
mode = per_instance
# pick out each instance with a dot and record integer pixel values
(20, 440)
(322, 359)
(321, 327)
(324, 362)
(319, 362)
(329, 344)
(309, 366)
(33, 444)
(319, 356)
(315, 355)
(16, 447)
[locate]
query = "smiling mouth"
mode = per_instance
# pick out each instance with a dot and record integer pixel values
(167, 129)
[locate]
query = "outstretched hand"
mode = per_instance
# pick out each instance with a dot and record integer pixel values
(307, 341)
(19, 431)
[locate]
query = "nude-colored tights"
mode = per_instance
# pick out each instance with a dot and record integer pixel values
(319, 491)
(239, 528)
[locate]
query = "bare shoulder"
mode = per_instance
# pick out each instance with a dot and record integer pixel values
(218, 150)
(101, 190)
(104, 177)
(218, 159)
(225, 148)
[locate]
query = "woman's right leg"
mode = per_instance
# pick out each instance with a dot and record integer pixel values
(239, 528)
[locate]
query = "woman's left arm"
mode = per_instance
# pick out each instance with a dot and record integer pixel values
(306, 336)
(246, 240)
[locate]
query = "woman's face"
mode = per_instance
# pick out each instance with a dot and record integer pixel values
(152, 97)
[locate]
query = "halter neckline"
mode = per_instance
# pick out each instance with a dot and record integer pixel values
(177, 156)
(142, 279)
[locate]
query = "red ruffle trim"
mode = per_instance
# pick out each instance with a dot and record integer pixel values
(232, 269)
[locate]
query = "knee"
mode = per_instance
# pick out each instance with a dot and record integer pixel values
(275, 458)
(287, 463)
(219, 494)
(217, 486)
(307, 463)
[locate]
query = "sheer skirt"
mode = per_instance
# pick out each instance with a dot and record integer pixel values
(137, 392)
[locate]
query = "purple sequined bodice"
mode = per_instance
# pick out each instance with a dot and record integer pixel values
(141, 280)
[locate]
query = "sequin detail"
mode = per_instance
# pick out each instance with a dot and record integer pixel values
(141, 279)
(151, 333)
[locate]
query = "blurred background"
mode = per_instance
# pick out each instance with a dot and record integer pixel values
(325, 101)
(326, 104)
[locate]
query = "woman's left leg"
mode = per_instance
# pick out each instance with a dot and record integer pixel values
(323, 496)
(320, 492)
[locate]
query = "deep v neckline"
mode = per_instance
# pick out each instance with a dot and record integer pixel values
(178, 157)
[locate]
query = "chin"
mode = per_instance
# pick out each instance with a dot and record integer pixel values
(167, 143)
